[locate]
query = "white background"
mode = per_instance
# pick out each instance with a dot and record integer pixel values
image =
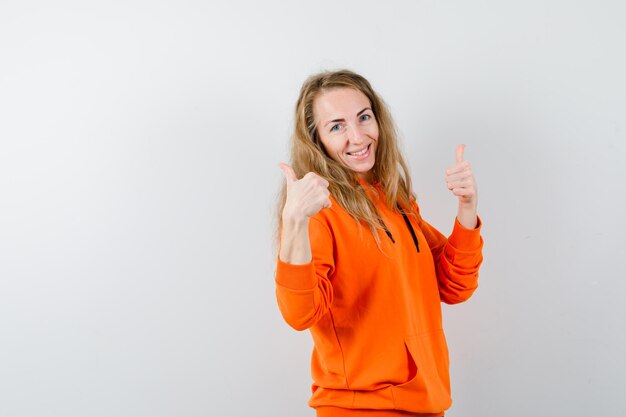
(138, 178)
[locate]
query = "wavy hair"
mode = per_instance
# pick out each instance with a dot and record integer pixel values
(309, 155)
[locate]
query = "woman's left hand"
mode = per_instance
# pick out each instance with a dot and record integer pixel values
(460, 181)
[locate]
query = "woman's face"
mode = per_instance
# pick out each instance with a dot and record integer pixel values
(347, 128)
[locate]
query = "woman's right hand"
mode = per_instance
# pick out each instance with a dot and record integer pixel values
(305, 196)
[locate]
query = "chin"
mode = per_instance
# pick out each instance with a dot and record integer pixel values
(362, 170)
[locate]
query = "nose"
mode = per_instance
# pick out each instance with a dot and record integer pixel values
(355, 135)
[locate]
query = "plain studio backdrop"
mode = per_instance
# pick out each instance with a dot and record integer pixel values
(138, 179)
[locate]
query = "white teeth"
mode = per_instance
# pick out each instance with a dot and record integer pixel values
(359, 153)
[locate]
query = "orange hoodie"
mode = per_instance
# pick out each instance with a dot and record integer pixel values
(375, 316)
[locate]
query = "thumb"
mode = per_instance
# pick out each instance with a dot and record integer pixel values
(290, 176)
(459, 152)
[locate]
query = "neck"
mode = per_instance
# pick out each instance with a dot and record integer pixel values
(366, 176)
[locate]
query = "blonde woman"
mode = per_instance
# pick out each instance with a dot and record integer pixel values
(357, 264)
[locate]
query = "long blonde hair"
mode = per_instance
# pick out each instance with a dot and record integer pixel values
(308, 154)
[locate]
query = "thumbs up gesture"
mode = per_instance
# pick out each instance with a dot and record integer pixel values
(460, 180)
(305, 196)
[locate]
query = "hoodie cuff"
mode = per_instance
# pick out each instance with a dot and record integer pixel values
(296, 277)
(466, 239)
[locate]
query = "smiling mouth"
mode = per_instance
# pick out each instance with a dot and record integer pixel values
(361, 152)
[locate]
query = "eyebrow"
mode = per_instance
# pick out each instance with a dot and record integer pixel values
(343, 120)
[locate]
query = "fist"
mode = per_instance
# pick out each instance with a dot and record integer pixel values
(460, 179)
(305, 196)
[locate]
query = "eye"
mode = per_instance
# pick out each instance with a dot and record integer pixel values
(335, 128)
(365, 117)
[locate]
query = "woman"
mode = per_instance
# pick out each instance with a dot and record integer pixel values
(357, 264)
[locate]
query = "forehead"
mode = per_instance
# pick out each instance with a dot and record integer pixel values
(339, 103)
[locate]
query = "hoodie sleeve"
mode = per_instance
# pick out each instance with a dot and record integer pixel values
(457, 260)
(304, 292)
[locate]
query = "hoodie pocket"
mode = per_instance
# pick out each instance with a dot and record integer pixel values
(428, 391)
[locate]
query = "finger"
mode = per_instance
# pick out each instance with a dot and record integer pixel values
(459, 184)
(290, 175)
(459, 176)
(458, 167)
(320, 180)
(459, 152)
(463, 192)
